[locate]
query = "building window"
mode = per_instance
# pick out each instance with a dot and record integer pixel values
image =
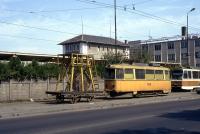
(197, 54)
(171, 57)
(158, 58)
(184, 56)
(170, 45)
(198, 65)
(158, 47)
(78, 47)
(145, 48)
(67, 48)
(183, 44)
(197, 43)
(124, 50)
(70, 48)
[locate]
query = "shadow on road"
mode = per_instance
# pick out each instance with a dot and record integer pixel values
(154, 131)
(191, 115)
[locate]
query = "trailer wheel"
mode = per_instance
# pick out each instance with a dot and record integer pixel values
(73, 100)
(60, 98)
(90, 98)
(113, 94)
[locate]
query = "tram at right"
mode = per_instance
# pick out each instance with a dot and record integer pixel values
(185, 79)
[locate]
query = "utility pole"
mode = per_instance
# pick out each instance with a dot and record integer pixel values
(188, 52)
(82, 27)
(115, 14)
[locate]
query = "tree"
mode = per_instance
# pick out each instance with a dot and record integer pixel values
(109, 58)
(113, 58)
(140, 57)
(16, 69)
(4, 73)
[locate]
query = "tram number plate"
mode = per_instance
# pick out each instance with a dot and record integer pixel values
(148, 84)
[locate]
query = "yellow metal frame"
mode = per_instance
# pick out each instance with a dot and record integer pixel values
(82, 63)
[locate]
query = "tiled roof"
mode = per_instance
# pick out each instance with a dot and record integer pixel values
(92, 39)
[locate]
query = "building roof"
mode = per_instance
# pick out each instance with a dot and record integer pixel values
(27, 56)
(167, 39)
(93, 39)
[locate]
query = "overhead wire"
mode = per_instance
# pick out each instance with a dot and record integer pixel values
(138, 12)
(46, 29)
(26, 37)
(55, 10)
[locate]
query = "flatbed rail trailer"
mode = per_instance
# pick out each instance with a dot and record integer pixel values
(78, 77)
(75, 97)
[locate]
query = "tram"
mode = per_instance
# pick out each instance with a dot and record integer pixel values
(136, 79)
(185, 79)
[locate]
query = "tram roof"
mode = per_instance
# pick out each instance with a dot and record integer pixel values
(138, 66)
(189, 69)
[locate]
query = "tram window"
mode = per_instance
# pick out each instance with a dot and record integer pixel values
(140, 74)
(119, 73)
(176, 74)
(128, 74)
(185, 75)
(199, 74)
(195, 74)
(167, 76)
(159, 72)
(128, 71)
(166, 72)
(150, 75)
(110, 73)
(159, 75)
(149, 71)
(189, 74)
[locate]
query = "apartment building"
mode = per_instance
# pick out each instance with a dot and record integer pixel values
(170, 50)
(95, 45)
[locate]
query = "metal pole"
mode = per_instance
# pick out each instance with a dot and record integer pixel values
(115, 13)
(188, 55)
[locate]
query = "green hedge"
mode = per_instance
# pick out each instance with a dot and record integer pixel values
(15, 69)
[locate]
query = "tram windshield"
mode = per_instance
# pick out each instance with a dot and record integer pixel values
(177, 74)
(109, 73)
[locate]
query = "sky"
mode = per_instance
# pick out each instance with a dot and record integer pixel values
(38, 26)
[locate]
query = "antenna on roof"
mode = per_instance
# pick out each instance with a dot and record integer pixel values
(150, 37)
(133, 4)
(110, 29)
(82, 28)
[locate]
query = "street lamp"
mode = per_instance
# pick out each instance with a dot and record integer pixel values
(188, 37)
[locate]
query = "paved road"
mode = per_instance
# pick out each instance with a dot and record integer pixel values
(180, 117)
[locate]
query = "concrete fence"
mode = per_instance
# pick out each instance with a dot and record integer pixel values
(26, 90)
(16, 91)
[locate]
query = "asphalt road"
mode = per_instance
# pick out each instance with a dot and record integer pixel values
(179, 117)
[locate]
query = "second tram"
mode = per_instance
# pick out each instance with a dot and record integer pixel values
(185, 79)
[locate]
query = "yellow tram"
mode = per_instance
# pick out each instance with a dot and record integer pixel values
(136, 79)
